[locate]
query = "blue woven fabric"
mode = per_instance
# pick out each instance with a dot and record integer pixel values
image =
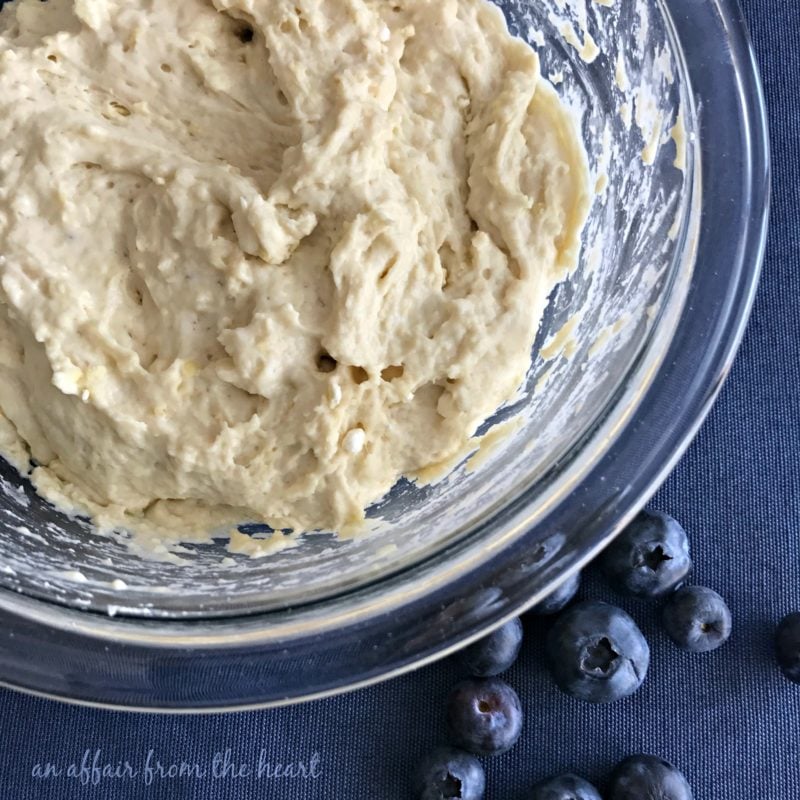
(728, 719)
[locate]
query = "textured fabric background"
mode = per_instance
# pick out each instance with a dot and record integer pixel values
(728, 718)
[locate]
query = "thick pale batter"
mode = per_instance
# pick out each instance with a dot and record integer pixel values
(265, 256)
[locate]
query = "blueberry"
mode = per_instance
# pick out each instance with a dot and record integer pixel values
(496, 652)
(787, 646)
(558, 599)
(650, 557)
(596, 652)
(565, 787)
(645, 777)
(484, 716)
(450, 774)
(697, 619)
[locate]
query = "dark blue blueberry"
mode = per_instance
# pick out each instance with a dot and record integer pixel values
(484, 716)
(648, 778)
(595, 652)
(565, 787)
(558, 599)
(697, 619)
(450, 774)
(787, 646)
(650, 557)
(496, 652)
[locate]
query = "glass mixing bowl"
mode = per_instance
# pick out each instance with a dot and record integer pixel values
(632, 352)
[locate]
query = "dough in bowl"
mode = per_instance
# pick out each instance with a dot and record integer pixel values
(260, 258)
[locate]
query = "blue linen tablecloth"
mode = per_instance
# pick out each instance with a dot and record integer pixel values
(728, 719)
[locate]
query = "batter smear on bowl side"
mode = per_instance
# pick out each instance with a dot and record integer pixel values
(260, 258)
